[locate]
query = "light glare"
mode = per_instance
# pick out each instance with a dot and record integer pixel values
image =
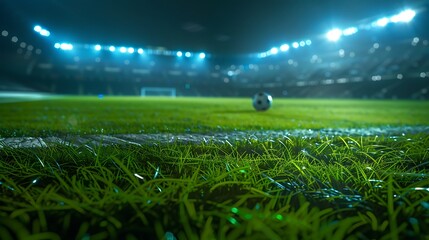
(97, 47)
(295, 45)
(112, 48)
(37, 28)
(130, 50)
(45, 33)
(202, 55)
(140, 51)
(382, 22)
(179, 54)
(66, 46)
(187, 54)
(123, 49)
(284, 47)
(404, 16)
(334, 35)
(350, 31)
(274, 50)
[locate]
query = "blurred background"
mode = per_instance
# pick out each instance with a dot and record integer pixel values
(294, 49)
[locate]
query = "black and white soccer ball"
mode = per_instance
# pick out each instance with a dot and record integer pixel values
(262, 101)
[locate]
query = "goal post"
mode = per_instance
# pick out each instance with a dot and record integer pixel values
(157, 91)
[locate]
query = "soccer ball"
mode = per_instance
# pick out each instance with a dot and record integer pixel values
(262, 101)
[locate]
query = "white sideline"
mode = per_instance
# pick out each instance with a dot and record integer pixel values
(219, 137)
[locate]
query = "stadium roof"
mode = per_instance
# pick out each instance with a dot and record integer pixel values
(214, 26)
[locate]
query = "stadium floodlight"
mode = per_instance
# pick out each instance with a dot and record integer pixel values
(262, 55)
(45, 33)
(202, 55)
(382, 22)
(350, 31)
(179, 54)
(187, 54)
(37, 28)
(97, 47)
(404, 16)
(274, 51)
(57, 45)
(302, 43)
(140, 51)
(123, 49)
(66, 46)
(308, 42)
(130, 50)
(112, 48)
(284, 47)
(334, 35)
(295, 45)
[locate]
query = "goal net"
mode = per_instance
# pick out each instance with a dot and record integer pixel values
(157, 91)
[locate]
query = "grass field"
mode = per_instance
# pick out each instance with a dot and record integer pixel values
(90, 115)
(291, 187)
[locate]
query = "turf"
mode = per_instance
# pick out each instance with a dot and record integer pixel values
(112, 115)
(293, 188)
(297, 187)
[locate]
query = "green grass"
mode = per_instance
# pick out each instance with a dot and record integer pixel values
(288, 188)
(321, 188)
(111, 115)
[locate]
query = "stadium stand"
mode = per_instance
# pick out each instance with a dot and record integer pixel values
(371, 65)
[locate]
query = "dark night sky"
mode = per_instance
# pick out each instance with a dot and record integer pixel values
(216, 26)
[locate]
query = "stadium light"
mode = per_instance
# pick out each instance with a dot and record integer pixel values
(334, 35)
(112, 48)
(284, 47)
(202, 55)
(123, 49)
(179, 54)
(404, 16)
(45, 33)
(308, 42)
(57, 45)
(97, 47)
(274, 50)
(66, 46)
(295, 45)
(350, 31)
(130, 50)
(382, 22)
(140, 51)
(187, 54)
(302, 44)
(37, 28)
